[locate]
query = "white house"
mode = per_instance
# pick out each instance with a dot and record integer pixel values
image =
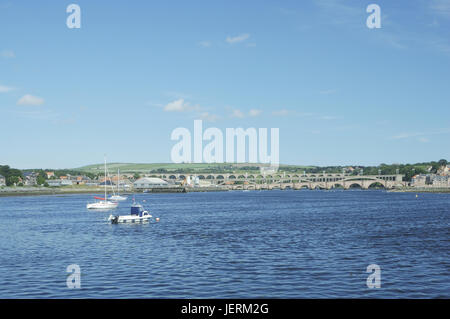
(149, 182)
(2, 180)
(58, 182)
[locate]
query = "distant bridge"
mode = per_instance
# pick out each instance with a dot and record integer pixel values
(293, 181)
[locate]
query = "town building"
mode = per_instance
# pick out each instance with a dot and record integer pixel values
(420, 180)
(149, 182)
(430, 180)
(2, 180)
(30, 178)
(50, 174)
(268, 170)
(441, 181)
(66, 182)
(122, 181)
(80, 180)
(59, 182)
(444, 170)
(53, 182)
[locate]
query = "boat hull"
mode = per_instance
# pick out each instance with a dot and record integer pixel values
(131, 219)
(102, 205)
(118, 198)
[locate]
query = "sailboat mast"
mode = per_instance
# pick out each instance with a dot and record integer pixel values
(118, 181)
(105, 178)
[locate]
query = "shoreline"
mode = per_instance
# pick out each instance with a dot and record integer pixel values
(72, 191)
(183, 190)
(46, 191)
(437, 190)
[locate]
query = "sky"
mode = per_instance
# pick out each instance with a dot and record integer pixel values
(339, 92)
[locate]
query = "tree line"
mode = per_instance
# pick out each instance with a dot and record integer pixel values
(12, 175)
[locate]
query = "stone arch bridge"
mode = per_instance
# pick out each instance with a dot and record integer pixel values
(292, 181)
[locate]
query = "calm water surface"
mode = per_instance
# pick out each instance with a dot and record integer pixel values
(289, 244)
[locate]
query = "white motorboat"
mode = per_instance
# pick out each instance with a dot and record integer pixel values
(103, 203)
(118, 197)
(137, 215)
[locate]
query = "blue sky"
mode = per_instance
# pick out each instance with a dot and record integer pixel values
(339, 92)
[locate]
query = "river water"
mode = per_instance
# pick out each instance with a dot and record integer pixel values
(256, 244)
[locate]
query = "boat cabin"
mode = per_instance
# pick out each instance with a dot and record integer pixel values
(138, 210)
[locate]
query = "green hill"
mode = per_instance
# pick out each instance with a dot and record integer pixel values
(170, 167)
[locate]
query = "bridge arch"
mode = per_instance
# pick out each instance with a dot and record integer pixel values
(376, 185)
(355, 185)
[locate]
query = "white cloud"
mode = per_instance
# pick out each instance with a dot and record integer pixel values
(423, 139)
(328, 92)
(180, 106)
(206, 116)
(177, 95)
(254, 112)
(176, 106)
(7, 54)
(404, 135)
(205, 44)
(282, 112)
(237, 114)
(337, 12)
(441, 7)
(420, 134)
(4, 89)
(328, 117)
(237, 39)
(28, 99)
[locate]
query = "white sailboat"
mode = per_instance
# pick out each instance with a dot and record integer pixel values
(118, 197)
(103, 203)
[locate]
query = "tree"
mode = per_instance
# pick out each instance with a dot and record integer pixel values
(40, 180)
(443, 162)
(11, 180)
(11, 175)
